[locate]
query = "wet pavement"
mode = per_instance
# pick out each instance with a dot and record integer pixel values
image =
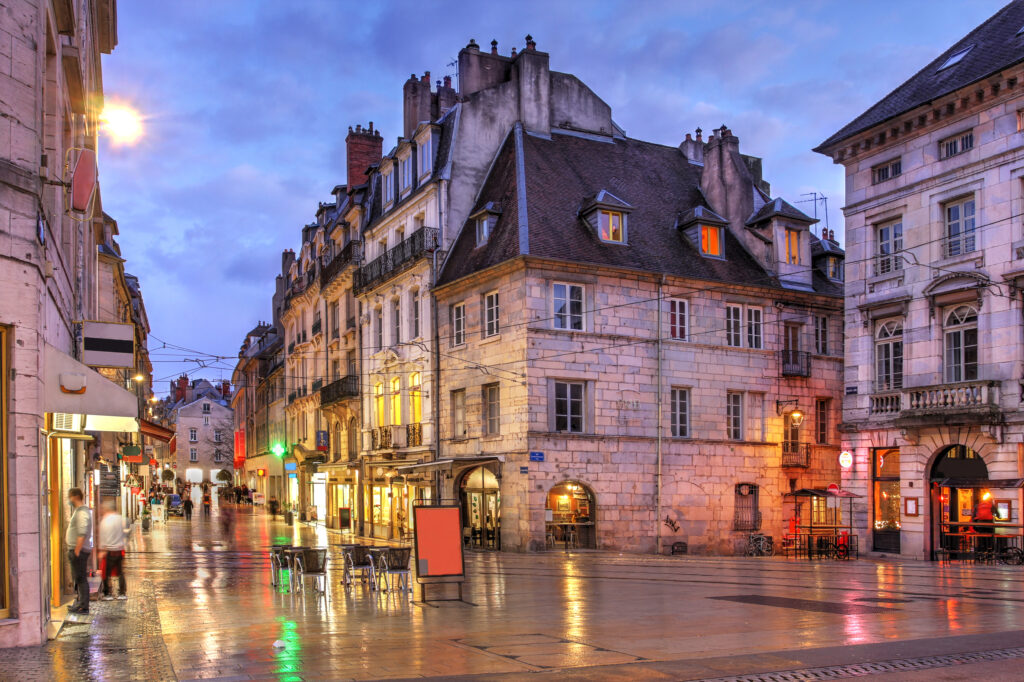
(201, 607)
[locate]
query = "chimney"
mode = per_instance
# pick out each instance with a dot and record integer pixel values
(494, 47)
(225, 389)
(417, 100)
(693, 149)
(480, 70)
(728, 184)
(534, 80)
(446, 96)
(363, 148)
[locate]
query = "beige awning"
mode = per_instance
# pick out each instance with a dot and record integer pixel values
(69, 387)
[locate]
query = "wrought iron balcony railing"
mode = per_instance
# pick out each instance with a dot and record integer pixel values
(796, 454)
(389, 264)
(317, 326)
(347, 256)
(380, 438)
(414, 434)
(795, 363)
(345, 387)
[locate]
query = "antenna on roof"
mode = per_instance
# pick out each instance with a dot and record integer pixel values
(817, 197)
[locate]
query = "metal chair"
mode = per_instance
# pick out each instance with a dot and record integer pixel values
(312, 563)
(360, 559)
(278, 563)
(396, 563)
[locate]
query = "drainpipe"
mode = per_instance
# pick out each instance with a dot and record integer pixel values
(657, 475)
(436, 393)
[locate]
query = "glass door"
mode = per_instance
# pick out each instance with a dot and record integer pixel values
(886, 499)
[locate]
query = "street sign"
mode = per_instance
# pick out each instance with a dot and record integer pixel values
(524, 470)
(108, 344)
(833, 489)
(536, 456)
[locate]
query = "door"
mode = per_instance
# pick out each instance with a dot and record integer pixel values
(886, 500)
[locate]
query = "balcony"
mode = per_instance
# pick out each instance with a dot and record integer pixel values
(380, 438)
(345, 387)
(796, 454)
(964, 402)
(959, 244)
(317, 327)
(291, 348)
(347, 256)
(318, 384)
(335, 333)
(414, 434)
(350, 325)
(291, 397)
(887, 263)
(795, 363)
(396, 259)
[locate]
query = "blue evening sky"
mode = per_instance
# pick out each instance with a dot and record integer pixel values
(247, 104)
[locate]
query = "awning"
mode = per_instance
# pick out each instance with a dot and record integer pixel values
(982, 483)
(69, 387)
(450, 461)
(148, 428)
(819, 492)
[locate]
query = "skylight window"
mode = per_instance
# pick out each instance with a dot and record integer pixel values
(955, 58)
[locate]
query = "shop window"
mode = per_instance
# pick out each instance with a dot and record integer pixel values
(885, 474)
(746, 515)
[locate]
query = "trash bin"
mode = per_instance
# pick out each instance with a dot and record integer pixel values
(288, 517)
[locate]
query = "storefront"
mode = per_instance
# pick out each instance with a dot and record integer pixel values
(480, 496)
(885, 496)
(571, 509)
(318, 497)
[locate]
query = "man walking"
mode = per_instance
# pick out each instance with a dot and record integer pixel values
(112, 533)
(78, 540)
(187, 505)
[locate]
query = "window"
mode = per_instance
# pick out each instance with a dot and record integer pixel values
(890, 244)
(491, 412)
(378, 404)
(755, 337)
(793, 247)
(483, 229)
(885, 475)
(746, 516)
(955, 58)
(679, 410)
(206, 420)
(790, 435)
(611, 226)
(414, 304)
(405, 167)
(821, 406)
(677, 321)
(961, 329)
(458, 324)
(958, 144)
(1020, 120)
(886, 171)
(835, 269)
(733, 315)
(491, 326)
(889, 356)
(396, 322)
(206, 408)
(569, 406)
(378, 328)
(425, 156)
(734, 415)
(415, 398)
(459, 414)
(193, 435)
(711, 240)
(389, 188)
(821, 335)
(959, 227)
(755, 417)
(568, 306)
(193, 454)
(396, 401)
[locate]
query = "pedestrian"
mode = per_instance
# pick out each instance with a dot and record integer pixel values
(187, 506)
(248, 494)
(206, 503)
(227, 519)
(113, 531)
(272, 505)
(78, 540)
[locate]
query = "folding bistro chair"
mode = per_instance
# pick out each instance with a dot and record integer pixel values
(278, 563)
(360, 559)
(396, 563)
(312, 563)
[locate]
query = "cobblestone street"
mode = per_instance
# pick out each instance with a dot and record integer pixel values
(201, 607)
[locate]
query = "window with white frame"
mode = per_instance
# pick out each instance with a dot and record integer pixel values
(458, 399)
(755, 417)
(206, 408)
(426, 156)
(405, 168)
(793, 247)
(679, 411)
(389, 187)
(396, 321)
(821, 334)
(790, 435)
(567, 306)
(414, 309)
(458, 314)
(961, 338)
(889, 356)
(734, 415)
(491, 410)
(568, 410)
(206, 420)
(193, 454)
(889, 245)
(677, 318)
(217, 436)
(378, 328)
(733, 325)
(491, 310)
(483, 229)
(886, 171)
(960, 236)
(957, 144)
(193, 435)
(755, 328)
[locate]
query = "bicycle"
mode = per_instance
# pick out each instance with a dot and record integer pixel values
(759, 544)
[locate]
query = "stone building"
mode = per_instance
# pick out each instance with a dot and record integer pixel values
(203, 422)
(630, 335)
(934, 352)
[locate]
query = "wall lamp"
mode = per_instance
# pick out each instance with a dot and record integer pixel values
(796, 416)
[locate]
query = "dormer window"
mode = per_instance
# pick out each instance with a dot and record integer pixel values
(426, 154)
(612, 226)
(389, 187)
(711, 240)
(793, 246)
(835, 269)
(484, 220)
(483, 229)
(405, 168)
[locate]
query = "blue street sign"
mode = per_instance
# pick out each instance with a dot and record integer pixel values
(289, 466)
(322, 441)
(536, 456)
(524, 470)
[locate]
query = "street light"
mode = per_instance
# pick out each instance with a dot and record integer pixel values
(796, 416)
(122, 123)
(138, 378)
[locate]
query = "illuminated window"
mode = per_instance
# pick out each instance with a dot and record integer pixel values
(415, 399)
(793, 247)
(611, 226)
(378, 403)
(710, 240)
(396, 401)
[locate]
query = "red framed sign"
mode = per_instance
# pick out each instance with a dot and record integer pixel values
(438, 542)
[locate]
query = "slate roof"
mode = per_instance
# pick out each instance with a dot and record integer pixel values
(997, 44)
(779, 207)
(561, 171)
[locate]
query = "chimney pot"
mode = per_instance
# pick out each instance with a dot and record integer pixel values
(447, 81)
(687, 137)
(513, 52)
(426, 77)
(494, 47)
(531, 44)
(472, 45)
(371, 126)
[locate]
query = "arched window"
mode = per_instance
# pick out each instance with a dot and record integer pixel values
(889, 356)
(961, 337)
(415, 399)
(378, 403)
(396, 401)
(336, 445)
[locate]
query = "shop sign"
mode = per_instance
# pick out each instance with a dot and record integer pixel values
(153, 463)
(536, 456)
(132, 454)
(290, 466)
(110, 484)
(108, 344)
(524, 470)
(322, 441)
(846, 459)
(833, 488)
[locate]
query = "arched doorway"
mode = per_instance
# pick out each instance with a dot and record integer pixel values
(959, 481)
(480, 495)
(571, 508)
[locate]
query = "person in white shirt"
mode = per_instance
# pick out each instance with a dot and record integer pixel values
(113, 531)
(78, 540)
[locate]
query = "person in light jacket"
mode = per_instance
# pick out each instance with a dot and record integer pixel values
(113, 531)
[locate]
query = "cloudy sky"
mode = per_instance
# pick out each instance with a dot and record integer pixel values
(247, 104)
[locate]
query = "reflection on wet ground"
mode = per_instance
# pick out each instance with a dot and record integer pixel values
(202, 606)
